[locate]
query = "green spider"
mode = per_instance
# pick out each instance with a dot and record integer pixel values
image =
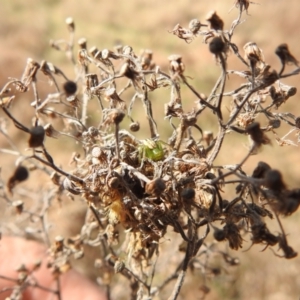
(152, 150)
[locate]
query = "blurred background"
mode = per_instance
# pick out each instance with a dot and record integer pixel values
(26, 27)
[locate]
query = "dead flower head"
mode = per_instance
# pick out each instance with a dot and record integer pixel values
(257, 135)
(254, 55)
(176, 65)
(215, 22)
(283, 52)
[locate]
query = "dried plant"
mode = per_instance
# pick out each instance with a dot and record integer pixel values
(136, 191)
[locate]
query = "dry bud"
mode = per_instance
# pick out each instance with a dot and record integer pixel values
(216, 23)
(115, 116)
(59, 243)
(19, 205)
(127, 50)
(275, 123)
(256, 134)
(155, 187)
(254, 55)
(273, 180)
(282, 51)
(127, 71)
(82, 43)
(91, 81)
(70, 88)
(20, 174)
(176, 65)
(242, 4)
(260, 170)
(219, 234)
(188, 195)
(37, 136)
(29, 74)
(70, 23)
(217, 46)
(233, 236)
(134, 126)
(194, 26)
(146, 60)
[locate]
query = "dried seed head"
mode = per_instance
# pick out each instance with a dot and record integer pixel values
(233, 236)
(219, 234)
(82, 43)
(176, 65)
(70, 23)
(188, 195)
(215, 22)
(146, 60)
(70, 88)
(275, 123)
(242, 4)
(273, 180)
(260, 170)
(115, 116)
(194, 26)
(127, 71)
(21, 173)
(253, 55)
(19, 205)
(282, 51)
(256, 134)
(134, 126)
(93, 131)
(91, 80)
(37, 136)
(286, 207)
(59, 243)
(29, 74)
(217, 46)
(155, 187)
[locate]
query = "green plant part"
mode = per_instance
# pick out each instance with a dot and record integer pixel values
(152, 150)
